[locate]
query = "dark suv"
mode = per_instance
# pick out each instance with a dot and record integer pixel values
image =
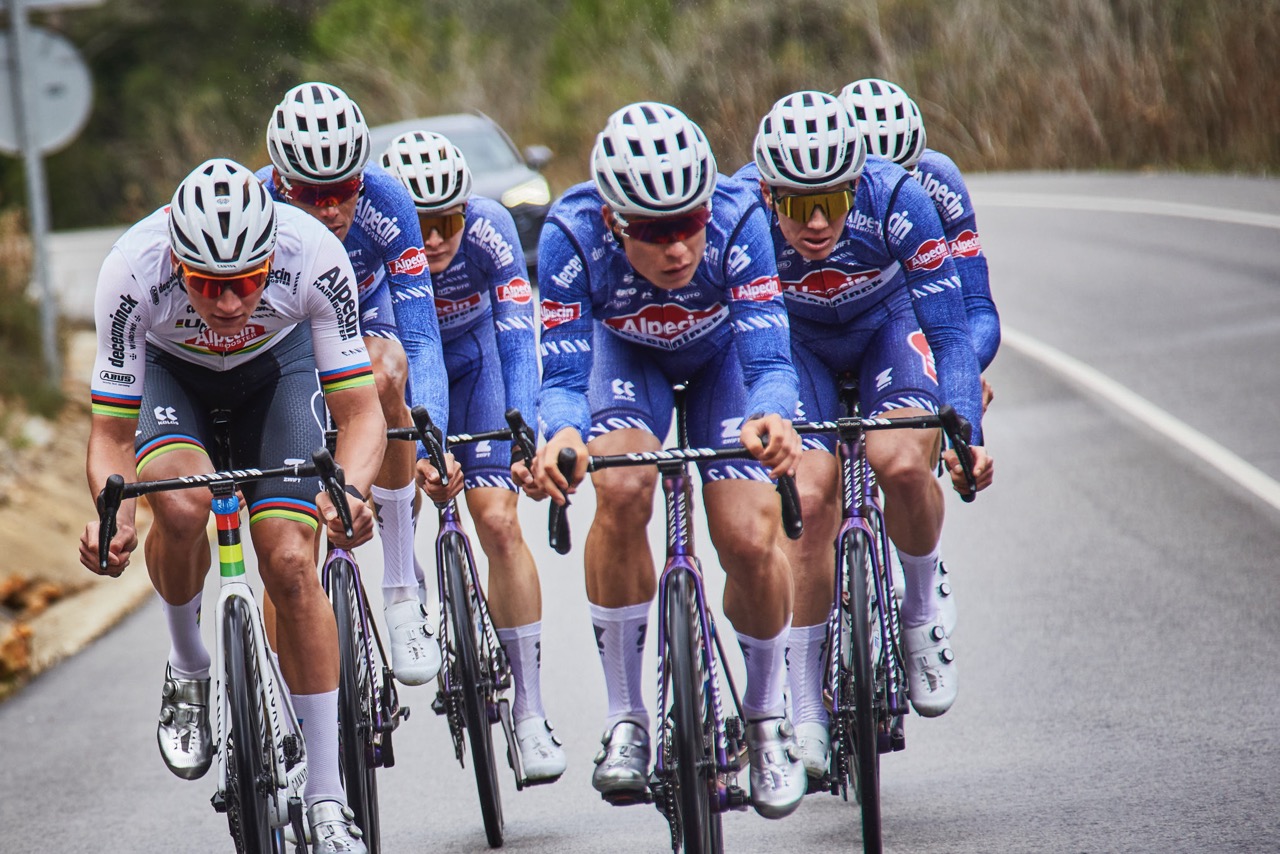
(499, 169)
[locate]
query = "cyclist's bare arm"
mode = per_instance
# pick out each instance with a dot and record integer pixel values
(110, 452)
(362, 439)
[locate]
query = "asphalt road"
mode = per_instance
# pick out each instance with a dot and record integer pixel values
(1118, 597)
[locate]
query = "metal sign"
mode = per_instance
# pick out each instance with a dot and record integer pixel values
(61, 92)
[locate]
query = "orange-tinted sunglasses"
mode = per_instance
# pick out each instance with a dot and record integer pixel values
(211, 287)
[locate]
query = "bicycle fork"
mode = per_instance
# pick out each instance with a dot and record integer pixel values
(288, 753)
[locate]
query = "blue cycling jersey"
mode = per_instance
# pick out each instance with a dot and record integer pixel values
(587, 283)
(942, 182)
(893, 250)
(384, 244)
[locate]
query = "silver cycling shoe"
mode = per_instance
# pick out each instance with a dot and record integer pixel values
(333, 829)
(186, 743)
(777, 775)
(622, 765)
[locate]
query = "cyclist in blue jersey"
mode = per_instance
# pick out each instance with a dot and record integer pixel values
(319, 147)
(226, 300)
(485, 307)
(870, 288)
(653, 274)
(893, 127)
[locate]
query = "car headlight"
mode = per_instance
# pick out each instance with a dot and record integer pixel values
(532, 192)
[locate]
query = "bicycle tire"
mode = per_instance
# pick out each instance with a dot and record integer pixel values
(865, 769)
(691, 718)
(355, 705)
(247, 771)
(467, 640)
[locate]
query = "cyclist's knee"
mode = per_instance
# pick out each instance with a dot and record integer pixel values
(181, 514)
(289, 572)
(746, 538)
(905, 472)
(497, 527)
(391, 373)
(624, 499)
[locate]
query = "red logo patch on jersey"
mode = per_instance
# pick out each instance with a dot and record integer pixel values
(666, 322)
(929, 255)
(966, 244)
(516, 290)
(555, 313)
(761, 290)
(411, 263)
(449, 309)
(215, 343)
(921, 345)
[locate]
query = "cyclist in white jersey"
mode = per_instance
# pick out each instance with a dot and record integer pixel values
(216, 302)
(319, 147)
(485, 308)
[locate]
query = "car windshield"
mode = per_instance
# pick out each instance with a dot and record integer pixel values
(485, 150)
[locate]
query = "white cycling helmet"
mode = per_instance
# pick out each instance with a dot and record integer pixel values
(807, 141)
(431, 168)
(222, 219)
(651, 160)
(890, 121)
(318, 135)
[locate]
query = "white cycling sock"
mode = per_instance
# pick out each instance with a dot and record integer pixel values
(766, 674)
(188, 658)
(395, 525)
(620, 636)
(318, 715)
(524, 650)
(918, 605)
(806, 653)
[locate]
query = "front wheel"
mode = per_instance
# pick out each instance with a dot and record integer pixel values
(692, 748)
(858, 663)
(467, 637)
(355, 703)
(248, 775)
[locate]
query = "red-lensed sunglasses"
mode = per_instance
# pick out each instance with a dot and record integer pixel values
(318, 195)
(211, 287)
(667, 229)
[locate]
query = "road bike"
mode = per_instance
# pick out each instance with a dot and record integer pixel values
(701, 749)
(262, 765)
(865, 683)
(475, 673)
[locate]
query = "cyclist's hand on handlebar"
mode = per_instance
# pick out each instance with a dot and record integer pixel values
(983, 469)
(987, 395)
(122, 546)
(361, 521)
(548, 481)
(522, 475)
(429, 479)
(782, 454)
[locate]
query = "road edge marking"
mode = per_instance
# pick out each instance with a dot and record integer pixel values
(1235, 468)
(1135, 206)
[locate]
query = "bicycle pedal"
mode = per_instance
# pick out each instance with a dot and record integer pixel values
(219, 802)
(627, 798)
(438, 705)
(737, 798)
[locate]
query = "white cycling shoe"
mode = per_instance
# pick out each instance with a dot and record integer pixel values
(946, 600)
(333, 829)
(931, 669)
(415, 653)
(813, 744)
(777, 776)
(540, 751)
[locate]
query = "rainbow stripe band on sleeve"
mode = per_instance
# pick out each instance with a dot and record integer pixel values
(344, 378)
(162, 445)
(116, 405)
(292, 509)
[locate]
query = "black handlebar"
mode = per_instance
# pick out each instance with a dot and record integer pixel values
(117, 491)
(792, 520)
(558, 520)
(959, 432)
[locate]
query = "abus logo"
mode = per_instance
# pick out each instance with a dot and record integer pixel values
(761, 290)
(516, 290)
(411, 263)
(113, 377)
(966, 244)
(929, 256)
(555, 313)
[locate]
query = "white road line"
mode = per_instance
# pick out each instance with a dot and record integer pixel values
(1193, 441)
(1133, 206)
